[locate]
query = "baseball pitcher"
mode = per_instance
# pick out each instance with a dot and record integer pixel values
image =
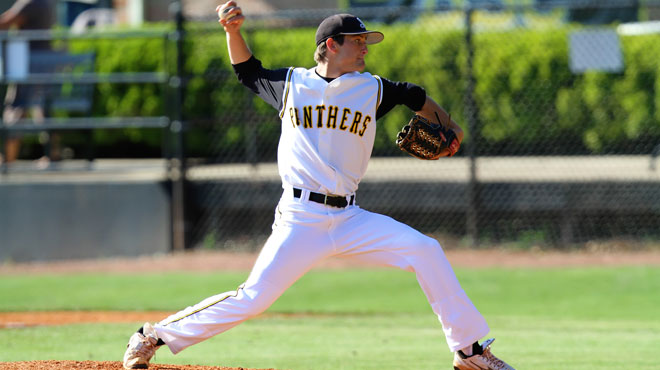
(329, 117)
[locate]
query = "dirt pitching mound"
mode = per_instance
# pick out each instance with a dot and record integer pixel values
(101, 365)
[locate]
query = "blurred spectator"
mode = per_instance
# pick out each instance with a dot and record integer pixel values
(21, 100)
(93, 18)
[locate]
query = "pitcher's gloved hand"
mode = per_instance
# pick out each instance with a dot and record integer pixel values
(425, 140)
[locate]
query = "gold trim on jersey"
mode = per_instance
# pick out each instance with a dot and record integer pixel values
(380, 89)
(289, 76)
(229, 295)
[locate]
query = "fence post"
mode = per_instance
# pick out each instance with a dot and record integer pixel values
(250, 127)
(471, 115)
(178, 166)
(4, 135)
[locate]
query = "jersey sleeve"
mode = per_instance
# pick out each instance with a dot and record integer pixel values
(395, 93)
(268, 84)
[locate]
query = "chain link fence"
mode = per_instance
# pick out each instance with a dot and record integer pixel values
(558, 100)
(561, 115)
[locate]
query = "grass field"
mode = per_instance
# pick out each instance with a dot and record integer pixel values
(568, 318)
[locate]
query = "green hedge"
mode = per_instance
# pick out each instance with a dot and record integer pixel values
(130, 54)
(529, 101)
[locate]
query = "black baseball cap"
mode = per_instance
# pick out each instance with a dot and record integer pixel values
(345, 24)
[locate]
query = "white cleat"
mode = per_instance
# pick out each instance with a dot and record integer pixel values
(141, 348)
(480, 361)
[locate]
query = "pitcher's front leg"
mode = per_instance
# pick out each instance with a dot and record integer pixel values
(288, 254)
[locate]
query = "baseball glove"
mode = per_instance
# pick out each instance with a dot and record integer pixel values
(426, 140)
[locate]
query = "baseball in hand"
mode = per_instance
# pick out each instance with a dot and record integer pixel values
(224, 14)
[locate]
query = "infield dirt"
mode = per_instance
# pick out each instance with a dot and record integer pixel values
(102, 365)
(610, 254)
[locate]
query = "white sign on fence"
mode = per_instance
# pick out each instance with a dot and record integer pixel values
(17, 58)
(595, 50)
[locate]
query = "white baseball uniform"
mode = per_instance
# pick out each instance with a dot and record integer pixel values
(328, 131)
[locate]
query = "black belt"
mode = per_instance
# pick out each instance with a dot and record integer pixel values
(331, 200)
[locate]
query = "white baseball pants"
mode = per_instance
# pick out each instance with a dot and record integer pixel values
(303, 234)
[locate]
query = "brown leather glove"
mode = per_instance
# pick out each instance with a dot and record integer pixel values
(426, 140)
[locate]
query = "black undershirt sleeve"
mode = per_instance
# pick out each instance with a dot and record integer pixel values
(406, 93)
(268, 84)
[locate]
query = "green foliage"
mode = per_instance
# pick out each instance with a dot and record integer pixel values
(516, 85)
(529, 102)
(435, 66)
(127, 55)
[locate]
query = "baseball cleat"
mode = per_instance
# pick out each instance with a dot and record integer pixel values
(141, 348)
(480, 361)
